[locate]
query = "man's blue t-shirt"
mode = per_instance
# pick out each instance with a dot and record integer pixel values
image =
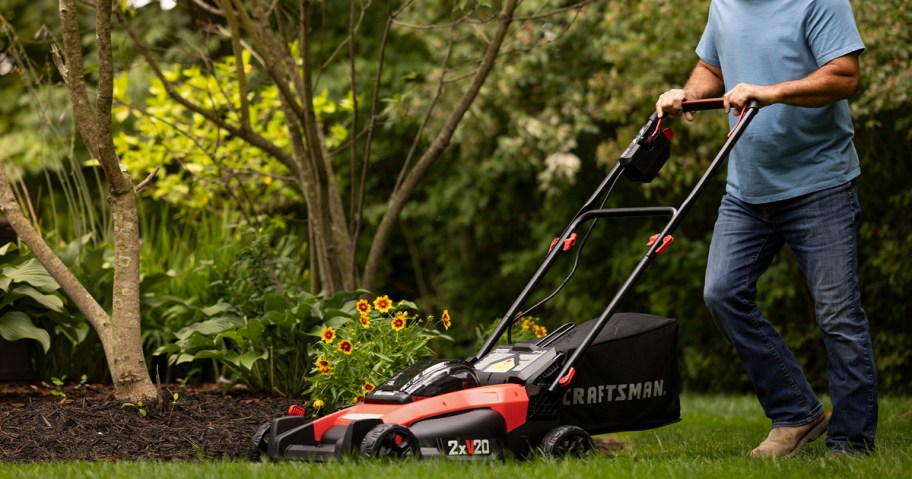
(787, 151)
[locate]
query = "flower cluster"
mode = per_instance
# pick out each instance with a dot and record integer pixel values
(370, 342)
(531, 324)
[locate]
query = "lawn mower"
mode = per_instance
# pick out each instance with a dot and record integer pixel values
(617, 372)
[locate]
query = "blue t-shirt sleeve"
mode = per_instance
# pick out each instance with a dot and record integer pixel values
(831, 31)
(706, 49)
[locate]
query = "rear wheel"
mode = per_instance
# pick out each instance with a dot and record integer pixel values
(567, 441)
(390, 440)
(259, 443)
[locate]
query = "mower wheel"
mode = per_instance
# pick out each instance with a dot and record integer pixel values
(259, 442)
(390, 441)
(566, 441)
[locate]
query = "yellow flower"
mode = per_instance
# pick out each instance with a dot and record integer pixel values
(346, 346)
(318, 403)
(365, 321)
(328, 334)
(363, 306)
(359, 398)
(383, 304)
(399, 321)
(267, 180)
(368, 388)
(445, 319)
(527, 324)
(540, 331)
(324, 367)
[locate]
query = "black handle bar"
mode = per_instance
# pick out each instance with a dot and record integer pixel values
(711, 104)
(704, 104)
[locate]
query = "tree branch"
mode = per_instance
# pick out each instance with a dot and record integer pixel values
(142, 184)
(352, 69)
(246, 134)
(399, 198)
(238, 62)
(372, 122)
(74, 76)
(80, 296)
(209, 8)
(427, 116)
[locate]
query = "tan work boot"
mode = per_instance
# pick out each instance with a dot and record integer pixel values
(787, 441)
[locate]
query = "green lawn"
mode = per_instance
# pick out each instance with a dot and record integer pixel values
(711, 441)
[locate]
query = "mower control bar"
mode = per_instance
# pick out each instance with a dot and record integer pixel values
(705, 104)
(718, 161)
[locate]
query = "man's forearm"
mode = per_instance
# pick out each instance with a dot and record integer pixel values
(705, 82)
(834, 81)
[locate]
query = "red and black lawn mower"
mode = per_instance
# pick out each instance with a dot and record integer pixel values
(617, 372)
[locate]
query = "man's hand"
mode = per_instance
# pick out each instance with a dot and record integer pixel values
(670, 103)
(705, 82)
(742, 93)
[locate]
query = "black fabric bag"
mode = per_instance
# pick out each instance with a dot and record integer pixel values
(628, 379)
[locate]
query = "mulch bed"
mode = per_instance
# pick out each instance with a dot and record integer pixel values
(89, 424)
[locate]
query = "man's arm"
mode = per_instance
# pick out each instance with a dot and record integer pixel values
(836, 80)
(705, 82)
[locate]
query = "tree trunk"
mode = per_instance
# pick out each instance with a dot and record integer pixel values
(119, 337)
(120, 332)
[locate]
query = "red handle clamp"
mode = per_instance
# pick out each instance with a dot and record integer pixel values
(666, 242)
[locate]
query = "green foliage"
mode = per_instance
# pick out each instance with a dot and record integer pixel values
(358, 351)
(29, 293)
(183, 257)
(140, 409)
(883, 115)
(258, 330)
(202, 162)
(267, 352)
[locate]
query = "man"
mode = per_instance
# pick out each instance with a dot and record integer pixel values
(790, 181)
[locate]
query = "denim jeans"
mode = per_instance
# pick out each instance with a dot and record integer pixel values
(821, 229)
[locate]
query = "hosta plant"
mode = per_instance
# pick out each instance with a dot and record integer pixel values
(267, 352)
(26, 290)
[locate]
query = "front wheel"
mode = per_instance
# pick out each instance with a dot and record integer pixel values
(390, 441)
(259, 443)
(567, 441)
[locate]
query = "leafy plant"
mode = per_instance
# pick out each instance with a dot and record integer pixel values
(183, 255)
(138, 407)
(73, 350)
(29, 292)
(267, 352)
(375, 340)
(58, 387)
(258, 332)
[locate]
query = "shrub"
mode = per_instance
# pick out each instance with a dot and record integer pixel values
(267, 352)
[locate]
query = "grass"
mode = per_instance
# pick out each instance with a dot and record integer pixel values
(711, 442)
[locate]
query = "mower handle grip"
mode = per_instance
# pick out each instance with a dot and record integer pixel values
(711, 104)
(704, 104)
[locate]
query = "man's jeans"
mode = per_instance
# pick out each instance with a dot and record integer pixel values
(821, 229)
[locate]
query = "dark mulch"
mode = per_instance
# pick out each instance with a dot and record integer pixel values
(91, 425)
